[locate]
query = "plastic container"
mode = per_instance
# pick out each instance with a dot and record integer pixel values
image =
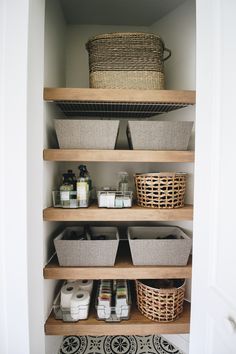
(114, 199)
(64, 314)
(71, 195)
(114, 313)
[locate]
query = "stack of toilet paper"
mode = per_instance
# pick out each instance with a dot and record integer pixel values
(75, 295)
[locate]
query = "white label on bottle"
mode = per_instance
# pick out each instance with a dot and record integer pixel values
(65, 196)
(82, 191)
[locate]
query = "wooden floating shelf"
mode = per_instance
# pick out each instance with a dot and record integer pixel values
(117, 155)
(123, 269)
(117, 102)
(137, 325)
(136, 213)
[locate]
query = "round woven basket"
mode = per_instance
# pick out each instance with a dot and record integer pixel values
(160, 305)
(160, 190)
(127, 60)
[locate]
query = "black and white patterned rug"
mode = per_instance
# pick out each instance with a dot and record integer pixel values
(117, 345)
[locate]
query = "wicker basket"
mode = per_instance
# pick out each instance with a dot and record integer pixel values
(161, 190)
(127, 61)
(160, 305)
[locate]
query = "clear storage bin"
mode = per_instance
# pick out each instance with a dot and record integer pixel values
(64, 313)
(114, 313)
(68, 200)
(114, 199)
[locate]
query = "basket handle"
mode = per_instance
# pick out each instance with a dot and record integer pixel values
(168, 55)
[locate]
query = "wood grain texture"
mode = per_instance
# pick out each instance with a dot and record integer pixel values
(123, 269)
(136, 213)
(118, 95)
(117, 155)
(137, 325)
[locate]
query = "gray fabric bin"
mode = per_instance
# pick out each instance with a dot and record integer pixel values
(86, 134)
(87, 252)
(159, 135)
(147, 250)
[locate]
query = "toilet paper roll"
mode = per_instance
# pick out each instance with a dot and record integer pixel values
(80, 297)
(66, 294)
(79, 304)
(86, 285)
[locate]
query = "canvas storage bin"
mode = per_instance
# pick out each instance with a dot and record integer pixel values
(87, 252)
(86, 134)
(159, 135)
(126, 60)
(163, 190)
(149, 245)
(160, 304)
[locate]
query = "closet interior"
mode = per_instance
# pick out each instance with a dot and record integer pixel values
(69, 25)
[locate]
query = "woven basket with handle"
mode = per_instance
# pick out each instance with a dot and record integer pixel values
(160, 305)
(160, 190)
(127, 60)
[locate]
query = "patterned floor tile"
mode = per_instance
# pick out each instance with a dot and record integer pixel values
(117, 345)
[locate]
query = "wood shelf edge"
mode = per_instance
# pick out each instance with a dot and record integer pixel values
(136, 213)
(117, 155)
(121, 270)
(137, 325)
(119, 95)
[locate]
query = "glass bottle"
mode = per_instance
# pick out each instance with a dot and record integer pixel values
(83, 187)
(65, 189)
(123, 184)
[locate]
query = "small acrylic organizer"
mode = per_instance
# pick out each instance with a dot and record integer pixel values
(114, 199)
(64, 313)
(114, 313)
(68, 200)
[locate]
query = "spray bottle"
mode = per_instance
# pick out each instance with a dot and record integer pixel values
(83, 187)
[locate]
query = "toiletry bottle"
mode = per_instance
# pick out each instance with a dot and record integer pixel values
(123, 184)
(85, 172)
(82, 188)
(70, 178)
(65, 189)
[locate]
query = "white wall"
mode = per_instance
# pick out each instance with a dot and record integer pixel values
(35, 182)
(14, 321)
(54, 76)
(178, 31)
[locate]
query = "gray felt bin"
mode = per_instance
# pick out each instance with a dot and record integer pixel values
(147, 250)
(159, 135)
(86, 134)
(87, 252)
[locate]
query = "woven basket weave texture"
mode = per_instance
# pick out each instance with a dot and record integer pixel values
(160, 305)
(113, 55)
(161, 190)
